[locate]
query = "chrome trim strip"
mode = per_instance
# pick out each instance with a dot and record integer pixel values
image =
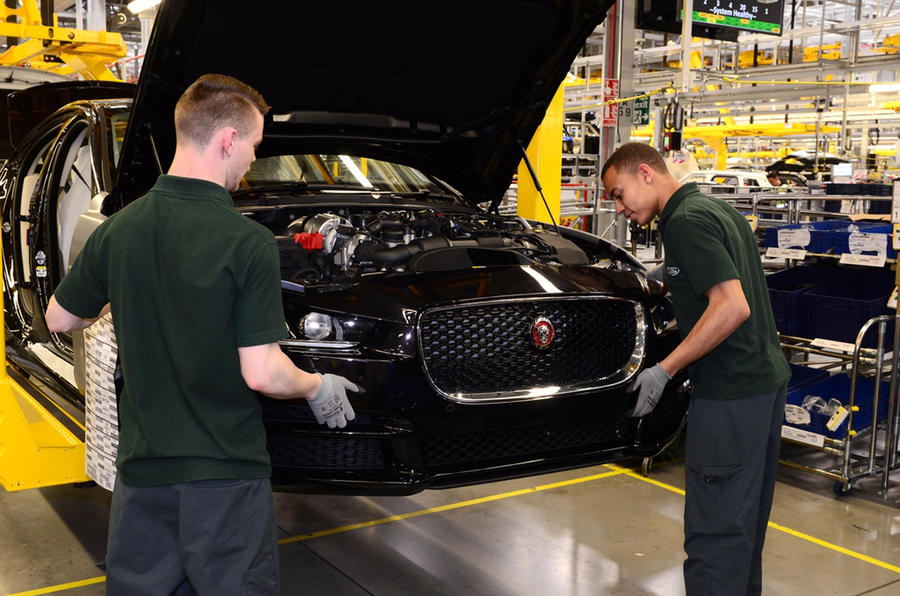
(314, 344)
(544, 392)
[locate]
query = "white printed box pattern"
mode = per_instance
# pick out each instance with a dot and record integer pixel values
(101, 416)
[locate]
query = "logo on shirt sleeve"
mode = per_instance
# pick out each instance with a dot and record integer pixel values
(672, 271)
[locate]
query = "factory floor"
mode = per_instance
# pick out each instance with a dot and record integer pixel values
(599, 530)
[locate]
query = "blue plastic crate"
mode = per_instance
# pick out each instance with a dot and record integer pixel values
(858, 190)
(832, 206)
(880, 207)
(804, 375)
(841, 188)
(820, 238)
(836, 387)
(841, 238)
(838, 310)
(881, 190)
(786, 289)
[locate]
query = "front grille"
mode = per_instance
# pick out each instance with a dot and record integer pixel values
(326, 453)
(487, 348)
(498, 446)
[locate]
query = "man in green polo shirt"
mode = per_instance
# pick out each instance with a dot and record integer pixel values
(733, 357)
(194, 290)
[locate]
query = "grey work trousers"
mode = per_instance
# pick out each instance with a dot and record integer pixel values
(209, 537)
(731, 459)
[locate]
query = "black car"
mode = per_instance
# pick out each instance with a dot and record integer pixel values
(489, 347)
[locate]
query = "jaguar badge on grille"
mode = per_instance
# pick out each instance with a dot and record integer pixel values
(542, 332)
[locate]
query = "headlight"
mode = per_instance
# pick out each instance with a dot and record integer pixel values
(318, 331)
(316, 326)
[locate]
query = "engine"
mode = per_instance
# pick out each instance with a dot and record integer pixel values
(328, 248)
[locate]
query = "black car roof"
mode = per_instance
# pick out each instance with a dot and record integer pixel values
(26, 108)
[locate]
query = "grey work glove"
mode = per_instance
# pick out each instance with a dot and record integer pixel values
(657, 274)
(649, 385)
(330, 404)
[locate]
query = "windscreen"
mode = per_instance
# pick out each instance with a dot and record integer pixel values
(343, 171)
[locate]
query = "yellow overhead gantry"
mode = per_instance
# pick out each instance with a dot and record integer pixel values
(58, 49)
(715, 135)
(750, 58)
(778, 129)
(889, 45)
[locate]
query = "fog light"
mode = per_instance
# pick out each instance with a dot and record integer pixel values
(316, 325)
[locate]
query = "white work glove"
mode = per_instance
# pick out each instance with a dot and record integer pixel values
(649, 385)
(330, 404)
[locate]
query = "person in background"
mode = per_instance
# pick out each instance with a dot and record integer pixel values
(733, 358)
(773, 178)
(195, 294)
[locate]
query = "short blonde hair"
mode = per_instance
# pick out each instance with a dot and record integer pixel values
(212, 102)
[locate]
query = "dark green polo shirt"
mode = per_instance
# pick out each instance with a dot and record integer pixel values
(707, 242)
(189, 280)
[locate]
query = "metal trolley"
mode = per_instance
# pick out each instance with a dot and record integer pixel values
(852, 461)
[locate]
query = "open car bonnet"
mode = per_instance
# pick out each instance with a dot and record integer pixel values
(453, 88)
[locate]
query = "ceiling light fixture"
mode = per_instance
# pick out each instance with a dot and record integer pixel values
(884, 87)
(137, 6)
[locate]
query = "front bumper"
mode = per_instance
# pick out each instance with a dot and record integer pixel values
(406, 437)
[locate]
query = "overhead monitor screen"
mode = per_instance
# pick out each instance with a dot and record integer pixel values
(759, 16)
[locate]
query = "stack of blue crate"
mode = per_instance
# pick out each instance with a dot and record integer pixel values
(838, 310)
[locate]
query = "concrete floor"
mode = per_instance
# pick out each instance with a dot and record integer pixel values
(599, 530)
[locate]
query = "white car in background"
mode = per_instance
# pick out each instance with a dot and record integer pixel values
(729, 181)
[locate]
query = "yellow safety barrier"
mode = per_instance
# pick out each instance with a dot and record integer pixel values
(35, 448)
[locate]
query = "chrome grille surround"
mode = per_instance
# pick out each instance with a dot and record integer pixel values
(482, 352)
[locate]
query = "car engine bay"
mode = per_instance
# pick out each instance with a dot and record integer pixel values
(338, 246)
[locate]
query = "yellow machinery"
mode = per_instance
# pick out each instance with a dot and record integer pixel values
(827, 52)
(40, 443)
(714, 135)
(36, 449)
(60, 50)
(764, 57)
(545, 154)
(889, 45)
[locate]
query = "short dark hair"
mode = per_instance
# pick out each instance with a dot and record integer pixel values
(629, 156)
(214, 101)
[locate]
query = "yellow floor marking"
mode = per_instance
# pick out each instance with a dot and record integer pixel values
(376, 522)
(615, 471)
(451, 506)
(835, 547)
(779, 527)
(646, 479)
(61, 587)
